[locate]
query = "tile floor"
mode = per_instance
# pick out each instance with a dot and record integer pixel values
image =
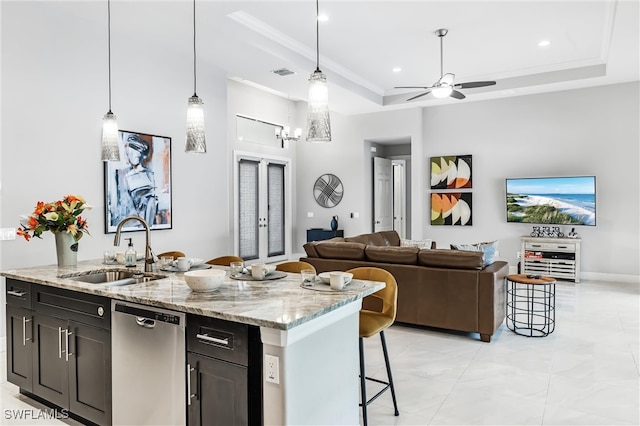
(585, 373)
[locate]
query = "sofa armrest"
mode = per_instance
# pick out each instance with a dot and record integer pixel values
(491, 298)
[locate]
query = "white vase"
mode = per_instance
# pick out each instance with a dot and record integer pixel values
(66, 249)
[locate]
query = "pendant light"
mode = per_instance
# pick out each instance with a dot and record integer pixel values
(110, 146)
(195, 110)
(318, 121)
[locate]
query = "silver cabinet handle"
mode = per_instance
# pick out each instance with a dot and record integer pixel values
(67, 353)
(191, 395)
(24, 331)
(210, 339)
(59, 342)
(16, 293)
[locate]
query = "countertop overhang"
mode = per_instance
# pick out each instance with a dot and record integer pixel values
(279, 304)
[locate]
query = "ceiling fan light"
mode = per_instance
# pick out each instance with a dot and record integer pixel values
(442, 92)
(110, 147)
(195, 126)
(318, 121)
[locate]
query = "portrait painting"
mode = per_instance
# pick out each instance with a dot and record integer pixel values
(140, 183)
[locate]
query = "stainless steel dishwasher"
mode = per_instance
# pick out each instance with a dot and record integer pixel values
(148, 365)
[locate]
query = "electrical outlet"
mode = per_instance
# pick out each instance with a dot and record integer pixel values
(7, 234)
(309, 214)
(519, 255)
(272, 369)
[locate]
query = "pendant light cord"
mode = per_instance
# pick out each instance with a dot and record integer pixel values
(109, 47)
(194, 48)
(441, 58)
(317, 37)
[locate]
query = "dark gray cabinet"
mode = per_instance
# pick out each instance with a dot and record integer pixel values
(225, 372)
(315, 234)
(59, 351)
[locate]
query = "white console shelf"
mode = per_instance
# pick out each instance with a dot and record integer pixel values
(554, 257)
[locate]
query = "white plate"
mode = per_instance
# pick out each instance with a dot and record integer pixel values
(324, 276)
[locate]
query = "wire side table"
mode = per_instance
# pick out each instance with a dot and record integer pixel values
(531, 310)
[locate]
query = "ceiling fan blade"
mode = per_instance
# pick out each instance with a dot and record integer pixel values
(473, 84)
(420, 95)
(412, 87)
(457, 95)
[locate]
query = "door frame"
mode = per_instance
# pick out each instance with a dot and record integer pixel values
(288, 208)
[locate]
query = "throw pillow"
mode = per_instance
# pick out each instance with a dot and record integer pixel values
(489, 250)
(421, 244)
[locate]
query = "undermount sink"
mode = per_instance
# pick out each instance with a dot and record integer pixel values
(113, 277)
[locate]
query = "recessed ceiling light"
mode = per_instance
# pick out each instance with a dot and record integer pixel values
(323, 18)
(544, 43)
(396, 69)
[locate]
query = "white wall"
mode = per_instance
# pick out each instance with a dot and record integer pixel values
(54, 94)
(591, 131)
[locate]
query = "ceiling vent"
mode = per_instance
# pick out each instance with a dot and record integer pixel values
(283, 72)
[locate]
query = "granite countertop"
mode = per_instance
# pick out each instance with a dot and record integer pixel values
(280, 304)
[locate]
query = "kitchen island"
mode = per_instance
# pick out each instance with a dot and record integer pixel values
(310, 338)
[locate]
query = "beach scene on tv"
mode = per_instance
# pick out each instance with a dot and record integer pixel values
(560, 201)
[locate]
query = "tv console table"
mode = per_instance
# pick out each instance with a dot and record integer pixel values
(554, 257)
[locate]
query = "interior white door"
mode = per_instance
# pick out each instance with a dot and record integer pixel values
(262, 209)
(399, 192)
(382, 194)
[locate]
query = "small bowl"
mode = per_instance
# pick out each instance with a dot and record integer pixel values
(205, 279)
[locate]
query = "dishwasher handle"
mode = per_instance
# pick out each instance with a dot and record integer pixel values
(145, 322)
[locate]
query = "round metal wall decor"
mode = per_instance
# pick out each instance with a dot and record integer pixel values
(328, 190)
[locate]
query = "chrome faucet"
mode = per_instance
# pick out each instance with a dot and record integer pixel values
(148, 255)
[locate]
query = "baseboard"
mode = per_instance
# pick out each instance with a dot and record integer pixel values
(618, 278)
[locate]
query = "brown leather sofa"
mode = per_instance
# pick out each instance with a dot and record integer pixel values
(450, 289)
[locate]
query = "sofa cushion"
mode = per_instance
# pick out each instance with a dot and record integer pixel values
(340, 250)
(310, 247)
(451, 259)
(490, 250)
(390, 254)
(423, 244)
(383, 238)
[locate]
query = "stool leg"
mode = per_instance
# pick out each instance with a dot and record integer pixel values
(386, 361)
(363, 384)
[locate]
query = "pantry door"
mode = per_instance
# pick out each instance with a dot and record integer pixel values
(262, 213)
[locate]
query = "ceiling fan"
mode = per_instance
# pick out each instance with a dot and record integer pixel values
(445, 85)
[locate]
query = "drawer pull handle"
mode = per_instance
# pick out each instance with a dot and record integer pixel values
(16, 293)
(210, 339)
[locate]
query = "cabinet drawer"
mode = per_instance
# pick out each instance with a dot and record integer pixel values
(72, 305)
(568, 247)
(18, 293)
(228, 341)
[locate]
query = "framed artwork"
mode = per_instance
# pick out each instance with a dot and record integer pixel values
(451, 208)
(328, 190)
(140, 183)
(451, 172)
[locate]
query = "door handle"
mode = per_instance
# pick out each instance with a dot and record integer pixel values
(67, 353)
(190, 395)
(59, 342)
(24, 331)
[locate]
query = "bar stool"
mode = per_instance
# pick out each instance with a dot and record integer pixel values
(373, 322)
(174, 254)
(224, 260)
(294, 266)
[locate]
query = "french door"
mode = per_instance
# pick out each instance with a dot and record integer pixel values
(262, 213)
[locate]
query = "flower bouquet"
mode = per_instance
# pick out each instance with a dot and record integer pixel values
(56, 216)
(63, 219)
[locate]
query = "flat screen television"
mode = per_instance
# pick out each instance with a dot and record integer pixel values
(552, 200)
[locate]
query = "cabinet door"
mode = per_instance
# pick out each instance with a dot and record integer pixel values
(19, 347)
(220, 392)
(50, 371)
(90, 372)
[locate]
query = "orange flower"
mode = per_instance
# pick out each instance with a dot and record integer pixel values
(22, 233)
(39, 208)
